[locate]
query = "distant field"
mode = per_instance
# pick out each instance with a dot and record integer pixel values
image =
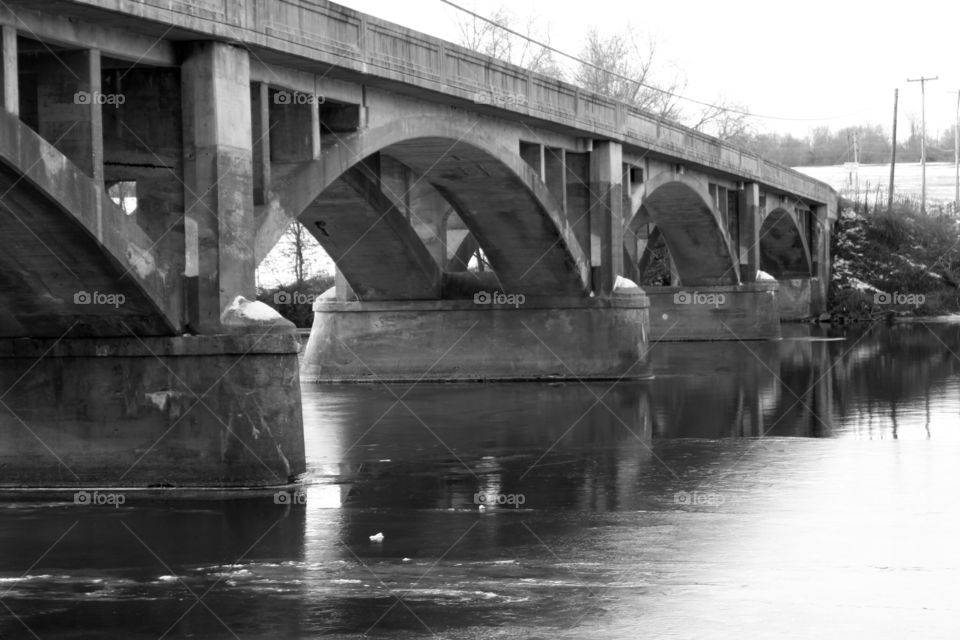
(940, 177)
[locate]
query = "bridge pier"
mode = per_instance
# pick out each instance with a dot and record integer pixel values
(493, 338)
(746, 311)
(197, 411)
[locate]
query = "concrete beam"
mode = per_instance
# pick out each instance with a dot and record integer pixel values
(218, 176)
(309, 83)
(115, 43)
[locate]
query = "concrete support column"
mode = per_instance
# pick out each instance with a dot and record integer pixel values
(577, 196)
(533, 154)
(554, 164)
(606, 213)
(819, 259)
(69, 107)
(218, 174)
(260, 108)
(10, 70)
(749, 241)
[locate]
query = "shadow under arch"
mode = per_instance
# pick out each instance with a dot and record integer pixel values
(695, 236)
(502, 202)
(784, 251)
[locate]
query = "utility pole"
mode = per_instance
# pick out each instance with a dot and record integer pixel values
(956, 160)
(923, 139)
(893, 152)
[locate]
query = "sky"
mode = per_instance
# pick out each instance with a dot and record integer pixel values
(795, 65)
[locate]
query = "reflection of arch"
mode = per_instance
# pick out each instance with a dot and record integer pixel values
(694, 234)
(57, 253)
(502, 202)
(783, 246)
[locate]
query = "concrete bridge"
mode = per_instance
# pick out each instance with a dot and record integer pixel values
(152, 152)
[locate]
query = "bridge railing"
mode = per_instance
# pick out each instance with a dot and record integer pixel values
(317, 29)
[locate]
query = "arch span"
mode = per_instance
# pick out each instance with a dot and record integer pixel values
(502, 202)
(783, 246)
(692, 230)
(71, 260)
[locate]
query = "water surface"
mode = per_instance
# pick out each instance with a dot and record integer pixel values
(795, 489)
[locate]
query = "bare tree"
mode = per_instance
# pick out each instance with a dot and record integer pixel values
(495, 39)
(296, 251)
(729, 121)
(620, 67)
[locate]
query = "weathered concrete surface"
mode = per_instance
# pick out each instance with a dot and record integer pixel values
(63, 238)
(201, 411)
(598, 338)
(736, 312)
(794, 298)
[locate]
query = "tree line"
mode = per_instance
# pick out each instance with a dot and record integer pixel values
(824, 147)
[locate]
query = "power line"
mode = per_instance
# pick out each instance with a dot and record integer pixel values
(633, 80)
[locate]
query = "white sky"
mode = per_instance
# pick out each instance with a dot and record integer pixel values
(817, 62)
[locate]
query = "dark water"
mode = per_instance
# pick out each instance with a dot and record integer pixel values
(806, 488)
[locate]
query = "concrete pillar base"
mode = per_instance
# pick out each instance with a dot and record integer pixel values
(726, 312)
(543, 338)
(794, 299)
(201, 411)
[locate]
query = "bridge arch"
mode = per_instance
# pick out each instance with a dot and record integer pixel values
(502, 202)
(682, 209)
(71, 261)
(783, 246)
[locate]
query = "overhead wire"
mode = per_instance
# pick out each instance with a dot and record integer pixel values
(667, 92)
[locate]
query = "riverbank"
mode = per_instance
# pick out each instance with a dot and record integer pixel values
(893, 265)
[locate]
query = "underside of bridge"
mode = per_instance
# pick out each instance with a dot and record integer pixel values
(783, 247)
(699, 246)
